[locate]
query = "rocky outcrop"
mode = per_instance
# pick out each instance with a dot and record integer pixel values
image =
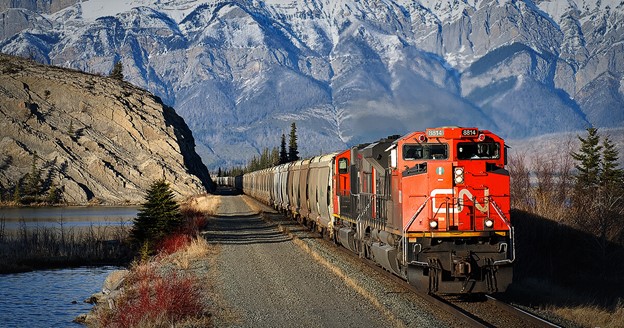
(94, 138)
(112, 288)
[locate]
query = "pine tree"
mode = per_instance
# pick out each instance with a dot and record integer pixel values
(610, 193)
(611, 176)
(34, 178)
(158, 216)
(293, 153)
(275, 157)
(283, 154)
(70, 129)
(53, 195)
(587, 180)
(597, 200)
(117, 72)
(17, 195)
(589, 162)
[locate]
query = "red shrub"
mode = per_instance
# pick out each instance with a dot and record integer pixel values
(173, 243)
(158, 301)
(194, 224)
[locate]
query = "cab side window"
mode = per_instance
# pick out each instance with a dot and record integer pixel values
(343, 166)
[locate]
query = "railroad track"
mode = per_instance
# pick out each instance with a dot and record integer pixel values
(505, 315)
(471, 311)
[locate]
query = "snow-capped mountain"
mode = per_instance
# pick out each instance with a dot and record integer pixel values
(346, 71)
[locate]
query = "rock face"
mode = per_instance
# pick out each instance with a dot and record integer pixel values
(94, 138)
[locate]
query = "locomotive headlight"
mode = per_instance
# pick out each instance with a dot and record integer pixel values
(459, 175)
(433, 224)
(489, 223)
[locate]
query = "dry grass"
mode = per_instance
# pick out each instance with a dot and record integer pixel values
(206, 204)
(198, 248)
(584, 309)
(592, 316)
(38, 247)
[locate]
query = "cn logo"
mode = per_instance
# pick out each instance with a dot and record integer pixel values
(443, 200)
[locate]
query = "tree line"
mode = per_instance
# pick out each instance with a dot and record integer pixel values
(569, 207)
(269, 157)
(34, 187)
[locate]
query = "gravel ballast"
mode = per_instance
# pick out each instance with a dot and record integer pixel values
(272, 272)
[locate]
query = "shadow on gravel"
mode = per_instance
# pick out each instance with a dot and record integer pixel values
(291, 226)
(242, 230)
(227, 191)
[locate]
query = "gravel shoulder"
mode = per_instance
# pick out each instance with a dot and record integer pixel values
(271, 272)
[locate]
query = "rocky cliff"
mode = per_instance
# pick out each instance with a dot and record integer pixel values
(94, 138)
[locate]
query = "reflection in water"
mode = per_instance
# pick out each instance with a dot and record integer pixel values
(66, 217)
(48, 298)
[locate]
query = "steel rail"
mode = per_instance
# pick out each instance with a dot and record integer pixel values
(467, 319)
(520, 313)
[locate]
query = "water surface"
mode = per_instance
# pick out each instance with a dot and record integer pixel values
(66, 217)
(48, 298)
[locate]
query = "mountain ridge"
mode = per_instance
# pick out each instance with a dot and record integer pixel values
(240, 72)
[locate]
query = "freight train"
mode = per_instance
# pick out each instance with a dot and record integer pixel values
(431, 207)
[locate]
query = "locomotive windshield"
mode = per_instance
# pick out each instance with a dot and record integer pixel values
(478, 150)
(425, 151)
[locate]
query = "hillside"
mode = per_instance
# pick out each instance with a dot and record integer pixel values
(93, 138)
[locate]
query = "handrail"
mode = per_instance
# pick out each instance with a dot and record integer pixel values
(511, 235)
(405, 241)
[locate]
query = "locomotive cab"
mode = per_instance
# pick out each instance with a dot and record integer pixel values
(454, 194)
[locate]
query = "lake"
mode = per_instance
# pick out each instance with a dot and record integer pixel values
(66, 217)
(53, 298)
(48, 298)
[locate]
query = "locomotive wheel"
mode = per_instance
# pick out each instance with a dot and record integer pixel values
(325, 233)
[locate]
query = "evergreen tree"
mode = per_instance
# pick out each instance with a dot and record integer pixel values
(275, 157)
(265, 159)
(611, 176)
(70, 129)
(589, 162)
(283, 154)
(610, 193)
(117, 72)
(597, 199)
(587, 179)
(17, 195)
(293, 153)
(53, 195)
(219, 172)
(158, 216)
(33, 181)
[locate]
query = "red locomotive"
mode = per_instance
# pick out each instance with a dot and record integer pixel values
(431, 207)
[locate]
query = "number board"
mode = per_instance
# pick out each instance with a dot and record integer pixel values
(435, 133)
(469, 133)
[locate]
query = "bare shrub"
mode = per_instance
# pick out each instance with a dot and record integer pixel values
(40, 247)
(520, 185)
